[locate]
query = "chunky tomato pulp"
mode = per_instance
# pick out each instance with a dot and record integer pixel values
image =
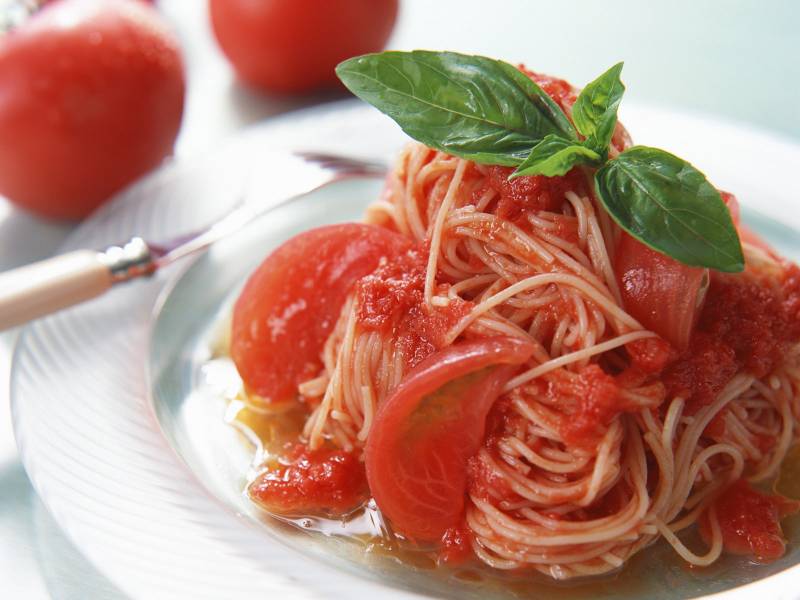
(456, 546)
(391, 299)
(750, 521)
(745, 325)
(520, 196)
(559, 90)
(323, 481)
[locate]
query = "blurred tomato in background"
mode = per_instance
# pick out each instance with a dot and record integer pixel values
(91, 97)
(292, 46)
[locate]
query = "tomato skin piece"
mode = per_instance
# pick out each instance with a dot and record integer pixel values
(291, 302)
(292, 46)
(425, 432)
(91, 97)
(661, 293)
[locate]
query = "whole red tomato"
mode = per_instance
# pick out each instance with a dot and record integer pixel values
(91, 97)
(289, 46)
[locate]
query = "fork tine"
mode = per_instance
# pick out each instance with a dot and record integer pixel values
(280, 184)
(343, 164)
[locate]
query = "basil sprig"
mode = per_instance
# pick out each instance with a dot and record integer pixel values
(595, 116)
(595, 110)
(488, 111)
(555, 156)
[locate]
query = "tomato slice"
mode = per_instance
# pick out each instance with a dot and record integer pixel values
(291, 303)
(661, 293)
(428, 428)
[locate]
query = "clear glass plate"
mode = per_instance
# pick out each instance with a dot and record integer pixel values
(140, 469)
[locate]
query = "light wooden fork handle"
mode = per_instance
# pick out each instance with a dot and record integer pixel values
(47, 286)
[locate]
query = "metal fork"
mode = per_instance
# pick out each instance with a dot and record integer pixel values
(44, 287)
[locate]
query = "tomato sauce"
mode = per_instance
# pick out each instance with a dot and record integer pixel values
(559, 90)
(716, 428)
(588, 401)
(750, 521)
(744, 326)
(610, 503)
(649, 355)
(599, 402)
(517, 197)
(485, 483)
(455, 546)
(392, 289)
(392, 299)
(790, 288)
(322, 481)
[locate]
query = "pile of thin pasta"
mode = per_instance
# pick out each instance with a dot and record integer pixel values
(537, 500)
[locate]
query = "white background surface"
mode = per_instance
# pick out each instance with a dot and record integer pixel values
(737, 59)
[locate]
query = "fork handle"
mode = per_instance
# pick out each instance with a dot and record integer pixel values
(36, 290)
(44, 287)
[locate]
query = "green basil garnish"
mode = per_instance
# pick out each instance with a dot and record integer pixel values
(469, 106)
(488, 111)
(555, 156)
(595, 110)
(669, 205)
(595, 116)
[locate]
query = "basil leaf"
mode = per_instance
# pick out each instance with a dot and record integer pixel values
(666, 203)
(554, 117)
(595, 110)
(470, 106)
(555, 156)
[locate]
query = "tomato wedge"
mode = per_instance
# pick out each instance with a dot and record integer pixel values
(428, 428)
(291, 303)
(661, 293)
